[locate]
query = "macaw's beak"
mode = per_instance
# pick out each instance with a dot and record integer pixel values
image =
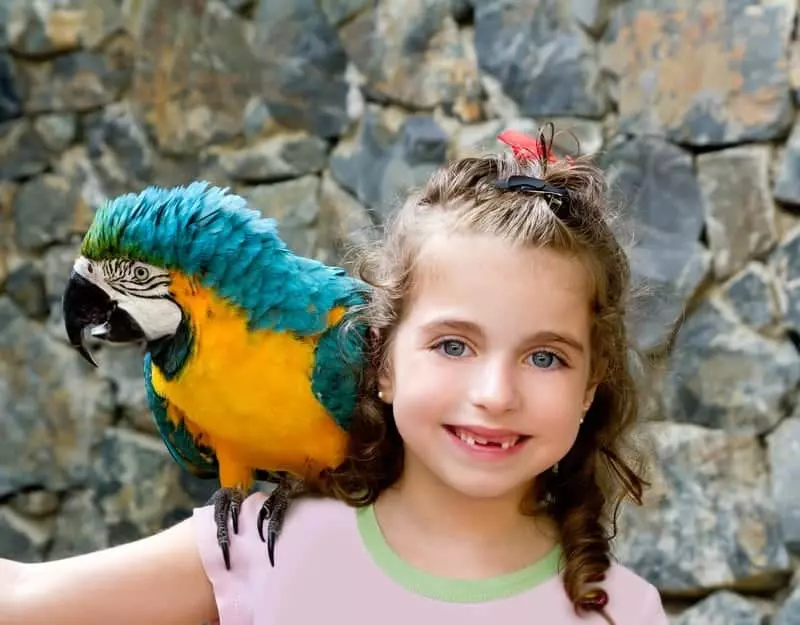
(86, 305)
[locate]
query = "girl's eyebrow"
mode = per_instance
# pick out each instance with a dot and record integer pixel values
(543, 336)
(459, 325)
(548, 336)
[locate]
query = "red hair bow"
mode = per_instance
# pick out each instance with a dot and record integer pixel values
(525, 147)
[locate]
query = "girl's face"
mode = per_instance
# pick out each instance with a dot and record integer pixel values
(489, 371)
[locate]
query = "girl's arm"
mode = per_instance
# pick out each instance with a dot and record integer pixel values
(158, 580)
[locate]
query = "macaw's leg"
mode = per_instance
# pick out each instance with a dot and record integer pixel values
(227, 502)
(274, 508)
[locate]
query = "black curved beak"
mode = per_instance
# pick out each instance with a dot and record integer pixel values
(85, 305)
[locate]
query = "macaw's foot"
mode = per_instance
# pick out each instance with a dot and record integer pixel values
(226, 501)
(274, 508)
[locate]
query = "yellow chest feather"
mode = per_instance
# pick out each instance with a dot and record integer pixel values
(248, 394)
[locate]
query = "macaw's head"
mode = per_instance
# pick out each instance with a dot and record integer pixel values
(119, 300)
(119, 289)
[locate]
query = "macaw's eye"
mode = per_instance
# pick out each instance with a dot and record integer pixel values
(140, 273)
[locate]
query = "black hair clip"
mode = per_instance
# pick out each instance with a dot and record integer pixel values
(529, 183)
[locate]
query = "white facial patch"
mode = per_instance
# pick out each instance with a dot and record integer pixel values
(139, 289)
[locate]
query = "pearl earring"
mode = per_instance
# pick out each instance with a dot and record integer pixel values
(380, 395)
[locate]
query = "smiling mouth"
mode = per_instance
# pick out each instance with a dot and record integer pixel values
(480, 440)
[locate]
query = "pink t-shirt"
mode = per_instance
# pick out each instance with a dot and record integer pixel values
(332, 565)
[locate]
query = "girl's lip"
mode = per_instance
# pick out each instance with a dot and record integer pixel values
(494, 452)
(486, 432)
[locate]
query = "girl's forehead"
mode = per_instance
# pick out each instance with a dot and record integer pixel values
(472, 259)
(488, 278)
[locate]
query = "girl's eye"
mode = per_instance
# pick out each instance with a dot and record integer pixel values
(452, 348)
(544, 359)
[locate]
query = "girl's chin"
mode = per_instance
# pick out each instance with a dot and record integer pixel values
(479, 485)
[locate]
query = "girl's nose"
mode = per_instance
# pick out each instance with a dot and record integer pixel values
(494, 387)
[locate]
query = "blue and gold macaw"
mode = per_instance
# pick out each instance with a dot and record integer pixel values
(252, 364)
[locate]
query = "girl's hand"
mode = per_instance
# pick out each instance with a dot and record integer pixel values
(157, 580)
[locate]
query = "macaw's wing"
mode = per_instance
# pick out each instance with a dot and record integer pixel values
(197, 459)
(338, 365)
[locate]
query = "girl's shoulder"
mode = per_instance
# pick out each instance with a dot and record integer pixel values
(316, 533)
(632, 599)
(307, 519)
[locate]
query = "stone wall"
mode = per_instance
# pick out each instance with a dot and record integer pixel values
(324, 114)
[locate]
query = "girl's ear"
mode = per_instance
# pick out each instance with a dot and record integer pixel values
(385, 389)
(384, 379)
(588, 396)
(595, 379)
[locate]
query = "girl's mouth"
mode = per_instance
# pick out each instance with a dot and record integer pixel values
(487, 440)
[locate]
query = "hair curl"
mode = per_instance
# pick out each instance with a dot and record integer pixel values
(594, 477)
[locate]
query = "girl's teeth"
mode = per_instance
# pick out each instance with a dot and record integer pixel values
(476, 440)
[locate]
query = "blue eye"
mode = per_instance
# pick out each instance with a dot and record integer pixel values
(452, 348)
(544, 359)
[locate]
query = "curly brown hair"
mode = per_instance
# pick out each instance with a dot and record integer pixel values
(595, 476)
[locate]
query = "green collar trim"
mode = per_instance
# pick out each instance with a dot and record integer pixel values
(449, 589)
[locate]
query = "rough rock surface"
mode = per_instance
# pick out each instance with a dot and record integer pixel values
(785, 265)
(789, 611)
(301, 67)
(752, 295)
(722, 608)
(388, 156)
(324, 114)
(709, 519)
(659, 194)
(787, 180)
(740, 90)
(722, 374)
(541, 56)
(740, 211)
(419, 60)
(784, 449)
(51, 408)
(194, 73)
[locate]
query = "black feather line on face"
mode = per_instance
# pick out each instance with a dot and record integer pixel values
(119, 274)
(140, 294)
(151, 283)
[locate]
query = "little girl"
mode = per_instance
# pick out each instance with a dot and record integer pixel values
(487, 456)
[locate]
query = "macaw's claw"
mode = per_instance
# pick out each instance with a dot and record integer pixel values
(226, 501)
(274, 508)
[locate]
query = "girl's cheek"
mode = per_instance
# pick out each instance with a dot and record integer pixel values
(555, 400)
